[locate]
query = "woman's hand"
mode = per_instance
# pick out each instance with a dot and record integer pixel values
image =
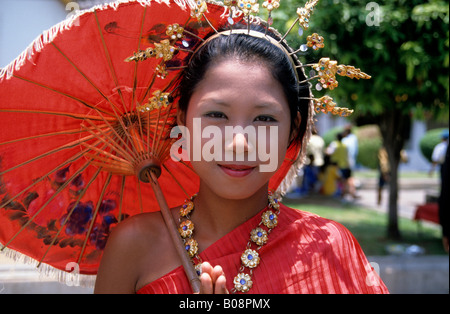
(212, 280)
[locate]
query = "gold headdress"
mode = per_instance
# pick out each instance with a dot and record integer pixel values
(323, 72)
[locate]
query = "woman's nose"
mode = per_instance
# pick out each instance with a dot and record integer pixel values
(239, 144)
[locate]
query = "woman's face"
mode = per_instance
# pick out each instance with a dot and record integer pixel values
(243, 118)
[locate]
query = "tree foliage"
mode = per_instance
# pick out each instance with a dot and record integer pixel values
(404, 46)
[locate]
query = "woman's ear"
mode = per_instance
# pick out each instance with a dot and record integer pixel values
(181, 117)
(295, 128)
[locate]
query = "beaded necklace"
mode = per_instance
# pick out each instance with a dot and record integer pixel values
(250, 259)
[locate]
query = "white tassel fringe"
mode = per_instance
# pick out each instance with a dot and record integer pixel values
(49, 35)
(73, 278)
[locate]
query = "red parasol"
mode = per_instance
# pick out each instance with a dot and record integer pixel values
(77, 143)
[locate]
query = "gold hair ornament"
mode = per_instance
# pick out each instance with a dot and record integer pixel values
(324, 71)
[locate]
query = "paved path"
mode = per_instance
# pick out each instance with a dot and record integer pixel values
(412, 192)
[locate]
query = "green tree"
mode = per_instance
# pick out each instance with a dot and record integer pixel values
(404, 46)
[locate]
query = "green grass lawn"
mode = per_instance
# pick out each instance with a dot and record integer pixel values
(369, 228)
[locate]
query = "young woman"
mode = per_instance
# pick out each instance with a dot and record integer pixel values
(248, 242)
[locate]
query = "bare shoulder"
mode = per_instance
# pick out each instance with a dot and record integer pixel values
(133, 254)
(137, 227)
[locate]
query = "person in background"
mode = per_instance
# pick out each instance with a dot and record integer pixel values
(351, 142)
(384, 169)
(315, 147)
(439, 151)
(339, 156)
(443, 201)
(329, 177)
(310, 176)
(384, 172)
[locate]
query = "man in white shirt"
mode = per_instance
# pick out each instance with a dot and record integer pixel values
(438, 156)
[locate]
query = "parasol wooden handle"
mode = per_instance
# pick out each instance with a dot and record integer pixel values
(173, 231)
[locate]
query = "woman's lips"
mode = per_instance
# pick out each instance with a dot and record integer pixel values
(237, 170)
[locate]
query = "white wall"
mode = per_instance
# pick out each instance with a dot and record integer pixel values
(21, 21)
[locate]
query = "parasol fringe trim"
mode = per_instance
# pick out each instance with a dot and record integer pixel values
(48, 272)
(49, 35)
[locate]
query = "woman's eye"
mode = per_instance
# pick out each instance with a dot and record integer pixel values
(215, 115)
(265, 119)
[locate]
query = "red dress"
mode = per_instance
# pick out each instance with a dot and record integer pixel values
(304, 254)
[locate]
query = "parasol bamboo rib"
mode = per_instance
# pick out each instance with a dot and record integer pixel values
(108, 58)
(164, 124)
(112, 70)
(113, 144)
(122, 188)
(176, 180)
(107, 156)
(84, 103)
(150, 85)
(139, 192)
(111, 164)
(69, 215)
(56, 113)
(156, 128)
(100, 199)
(66, 132)
(148, 129)
(141, 132)
(165, 149)
(186, 165)
(113, 106)
(175, 236)
(133, 150)
(137, 63)
(55, 150)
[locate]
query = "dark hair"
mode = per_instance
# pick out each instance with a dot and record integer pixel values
(248, 48)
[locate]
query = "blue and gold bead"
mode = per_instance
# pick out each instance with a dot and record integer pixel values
(259, 236)
(269, 219)
(186, 228)
(250, 258)
(186, 208)
(198, 269)
(191, 247)
(242, 282)
(273, 202)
